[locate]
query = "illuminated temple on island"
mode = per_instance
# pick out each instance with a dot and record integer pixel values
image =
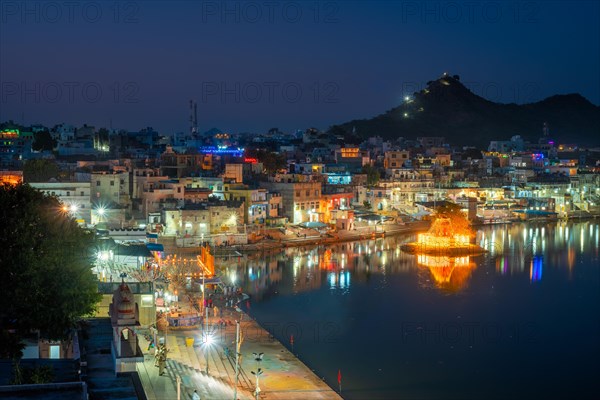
(444, 239)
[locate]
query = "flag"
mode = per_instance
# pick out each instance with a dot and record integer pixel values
(339, 377)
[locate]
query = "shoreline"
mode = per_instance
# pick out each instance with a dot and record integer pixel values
(320, 240)
(310, 385)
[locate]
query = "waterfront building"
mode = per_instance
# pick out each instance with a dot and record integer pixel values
(203, 219)
(255, 201)
(301, 196)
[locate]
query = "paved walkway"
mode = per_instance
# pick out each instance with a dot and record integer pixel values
(284, 377)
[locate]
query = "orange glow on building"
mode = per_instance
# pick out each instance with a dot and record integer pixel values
(350, 152)
(9, 134)
(11, 177)
(451, 273)
(443, 235)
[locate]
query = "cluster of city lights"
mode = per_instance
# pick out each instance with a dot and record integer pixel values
(72, 208)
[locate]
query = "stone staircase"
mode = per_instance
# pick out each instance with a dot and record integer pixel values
(208, 387)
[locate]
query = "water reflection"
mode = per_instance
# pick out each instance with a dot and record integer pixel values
(371, 289)
(449, 273)
(516, 250)
(535, 269)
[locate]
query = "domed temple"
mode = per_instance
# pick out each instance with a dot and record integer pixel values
(124, 316)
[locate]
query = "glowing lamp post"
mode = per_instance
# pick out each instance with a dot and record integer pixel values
(208, 341)
(258, 357)
(100, 213)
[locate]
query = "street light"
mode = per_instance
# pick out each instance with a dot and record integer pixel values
(258, 357)
(208, 341)
(100, 212)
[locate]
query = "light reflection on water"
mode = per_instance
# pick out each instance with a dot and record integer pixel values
(538, 279)
(514, 249)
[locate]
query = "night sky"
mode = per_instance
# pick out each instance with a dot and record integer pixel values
(252, 66)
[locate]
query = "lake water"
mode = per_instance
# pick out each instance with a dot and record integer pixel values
(521, 321)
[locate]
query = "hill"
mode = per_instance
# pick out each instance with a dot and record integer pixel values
(447, 108)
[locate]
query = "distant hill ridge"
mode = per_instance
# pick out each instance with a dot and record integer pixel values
(447, 108)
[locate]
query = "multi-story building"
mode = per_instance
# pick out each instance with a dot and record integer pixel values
(177, 165)
(301, 197)
(155, 196)
(352, 158)
(275, 206)
(209, 218)
(111, 187)
(255, 201)
(395, 159)
(75, 197)
(15, 146)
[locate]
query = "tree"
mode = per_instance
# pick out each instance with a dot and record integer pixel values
(43, 141)
(272, 161)
(373, 174)
(460, 224)
(39, 170)
(46, 278)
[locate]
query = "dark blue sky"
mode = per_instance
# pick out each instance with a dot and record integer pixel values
(255, 65)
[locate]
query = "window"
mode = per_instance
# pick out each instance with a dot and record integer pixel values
(112, 183)
(54, 352)
(97, 183)
(316, 193)
(307, 193)
(297, 193)
(68, 193)
(393, 155)
(147, 300)
(81, 194)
